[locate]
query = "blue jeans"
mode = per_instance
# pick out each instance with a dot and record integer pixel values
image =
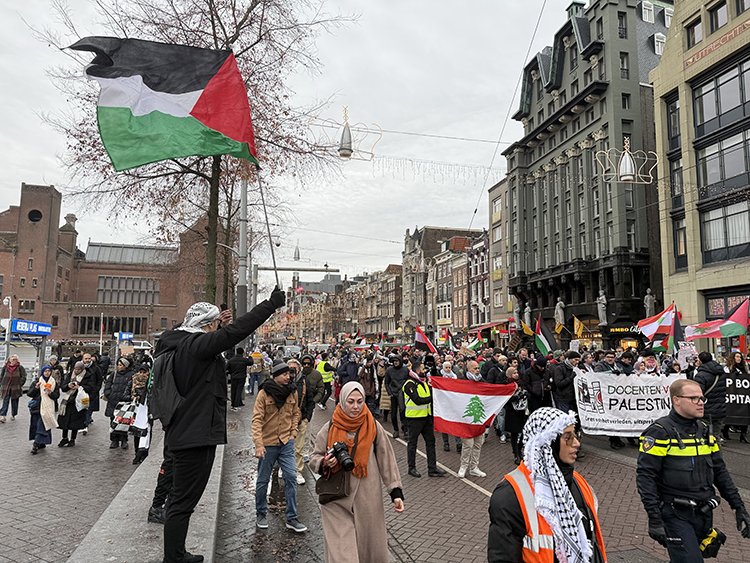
(252, 379)
(284, 455)
(8, 400)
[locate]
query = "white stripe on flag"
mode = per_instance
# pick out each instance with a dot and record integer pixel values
(131, 92)
(451, 406)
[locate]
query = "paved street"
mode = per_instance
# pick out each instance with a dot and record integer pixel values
(446, 519)
(51, 500)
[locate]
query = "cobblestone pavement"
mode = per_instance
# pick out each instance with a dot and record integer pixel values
(51, 500)
(446, 518)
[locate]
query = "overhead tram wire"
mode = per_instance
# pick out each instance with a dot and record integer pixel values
(507, 116)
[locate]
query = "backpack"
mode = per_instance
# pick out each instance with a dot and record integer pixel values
(163, 397)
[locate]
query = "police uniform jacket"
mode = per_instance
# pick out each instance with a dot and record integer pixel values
(679, 458)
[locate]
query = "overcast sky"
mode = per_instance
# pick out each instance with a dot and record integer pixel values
(437, 68)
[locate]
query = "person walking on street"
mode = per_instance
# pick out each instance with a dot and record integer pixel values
(354, 526)
(237, 369)
(516, 412)
(306, 401)
(471, 448)
(12, 378)
(326, 371)
(679, 465)
(92, 367)
(544, 510)
(57, 370)
(43, 395)
(117, 389)
(395, 377)
(200, 422)
(276, 418)
(418, 412)
(69, 418)
(713, 381)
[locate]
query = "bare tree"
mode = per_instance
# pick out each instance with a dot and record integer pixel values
(270, 38)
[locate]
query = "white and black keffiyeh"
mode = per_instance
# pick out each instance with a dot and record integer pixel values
(553, 498)
(199, 315)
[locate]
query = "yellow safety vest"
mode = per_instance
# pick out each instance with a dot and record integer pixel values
(326, 375)
(414, 410)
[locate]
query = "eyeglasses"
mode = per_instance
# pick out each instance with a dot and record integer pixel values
(694, 400)
(308, 364)
(569, 437)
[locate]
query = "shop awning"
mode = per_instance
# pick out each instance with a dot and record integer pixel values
(480, 328)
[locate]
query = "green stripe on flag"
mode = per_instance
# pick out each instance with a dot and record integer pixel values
(542, 345)
(136, 140)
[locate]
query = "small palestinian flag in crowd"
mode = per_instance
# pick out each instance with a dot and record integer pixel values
(474, 345)
(449, 342)
(160, 101)
(421, 342)
(542, 339)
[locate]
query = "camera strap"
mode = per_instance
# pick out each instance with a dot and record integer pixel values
(356, 439)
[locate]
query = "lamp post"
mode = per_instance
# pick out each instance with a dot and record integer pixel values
(8, 302)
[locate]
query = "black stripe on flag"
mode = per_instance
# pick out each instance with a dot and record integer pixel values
(174, 69)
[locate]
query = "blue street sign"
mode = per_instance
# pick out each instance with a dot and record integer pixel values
(124, 336)
(20, 326)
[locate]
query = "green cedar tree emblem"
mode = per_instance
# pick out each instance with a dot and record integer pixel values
(475, 410)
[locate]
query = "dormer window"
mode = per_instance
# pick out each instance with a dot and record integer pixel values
(647, 12)
(659, 40)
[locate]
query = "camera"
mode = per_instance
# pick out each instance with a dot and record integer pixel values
(340, 453)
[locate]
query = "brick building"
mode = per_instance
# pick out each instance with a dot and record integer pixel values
(129, 288)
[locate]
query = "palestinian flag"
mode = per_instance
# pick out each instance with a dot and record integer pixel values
(161, 101)
(542, 342)
(474, 345)
(449, 342)
(465, 408)
(734, 325)
(670, 344)
(421, 342)
(658, 323)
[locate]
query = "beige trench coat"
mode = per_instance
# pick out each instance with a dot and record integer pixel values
(354, 527)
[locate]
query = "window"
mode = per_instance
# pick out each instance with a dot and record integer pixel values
(626, 101)
(659, 40)
(724, 97)
(128, 291)
(34, 282)
(31, 264)
(55, 320)
(680, 243)
(629, 197)
(647, 12)
(631, 235)
(2, 280)
(725, 232)
(59, 271)
(58, 291)
(599, 29)
(575, 125)
(595, 199)
(587, 77)
(742, 5)
(694, 33)
(603, 106)
(497, 234)
(573, 57)
(723, 161)
(668, 13)
(673, 123)
(622, 25)
(624, 65)
(589, 115)
(26, 305)
(718, 16)
(22, 282)
(539, 89)
(675, 182)
(67, 273)
(574, 88)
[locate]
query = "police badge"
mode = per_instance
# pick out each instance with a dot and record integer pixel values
(647, 442)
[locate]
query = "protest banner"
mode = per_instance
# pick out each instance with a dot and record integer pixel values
(686, 350)
(621, 405)
(738, 401)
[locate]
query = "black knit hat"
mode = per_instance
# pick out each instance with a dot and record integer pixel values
(279, 368)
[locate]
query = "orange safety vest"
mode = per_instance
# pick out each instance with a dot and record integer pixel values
(539, 543)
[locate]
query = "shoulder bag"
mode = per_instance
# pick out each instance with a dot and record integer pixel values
(334, 486)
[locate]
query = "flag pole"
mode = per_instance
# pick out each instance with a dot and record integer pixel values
(268, 229)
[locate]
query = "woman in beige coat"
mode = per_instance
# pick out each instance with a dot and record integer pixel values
(354, 526)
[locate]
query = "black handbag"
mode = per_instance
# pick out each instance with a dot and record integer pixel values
(334, 486)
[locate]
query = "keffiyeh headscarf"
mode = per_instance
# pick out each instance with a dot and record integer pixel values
(198, 316)
(553, 498)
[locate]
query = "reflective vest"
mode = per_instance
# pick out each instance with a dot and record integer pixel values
(539, 542)
(414, 410)
(326, 375)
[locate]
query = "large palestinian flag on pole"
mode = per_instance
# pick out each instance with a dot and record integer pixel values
(161, 101)
(465, 408)
(734, 325)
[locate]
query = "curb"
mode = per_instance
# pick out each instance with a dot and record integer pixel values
(122, 533)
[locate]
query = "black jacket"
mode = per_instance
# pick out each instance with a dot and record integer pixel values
(237, 367)
(484, 369)
(705, 376)
(564, 392)
(662, 477)
(395, 377)
(201, 420)
(116, 389)
(307, 399)
(496, 374)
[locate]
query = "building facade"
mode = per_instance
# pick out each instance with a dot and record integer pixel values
(702, 91)
(574, 230)
(479, 281)
(501, 306)
(460, 295)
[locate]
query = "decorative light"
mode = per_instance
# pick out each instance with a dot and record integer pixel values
(626, 167)
(345, 146)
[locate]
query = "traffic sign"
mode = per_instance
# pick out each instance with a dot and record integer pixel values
(119, 336)
(21, 326)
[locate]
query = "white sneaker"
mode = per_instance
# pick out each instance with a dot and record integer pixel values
(2, 419)
(476, 472)
(462, 472)
(300, 479)
(503, 439)
(85, 431)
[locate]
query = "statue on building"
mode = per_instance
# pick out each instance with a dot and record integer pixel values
(560, 312)
(517, 308)
(527, 315)
(649, 303)
(601, 306)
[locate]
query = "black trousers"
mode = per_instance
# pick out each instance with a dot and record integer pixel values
(397, 413)
(326, 393)
(416, 427)
(192, 468)
(164, 481)
(689, 525)
(237, 386)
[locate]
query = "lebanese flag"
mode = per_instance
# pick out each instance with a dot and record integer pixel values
(652, 325)
(734, 325)
(421, 342)
(159, 101)
(465, 408)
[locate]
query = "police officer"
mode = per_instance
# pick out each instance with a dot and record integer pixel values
(678, 466)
